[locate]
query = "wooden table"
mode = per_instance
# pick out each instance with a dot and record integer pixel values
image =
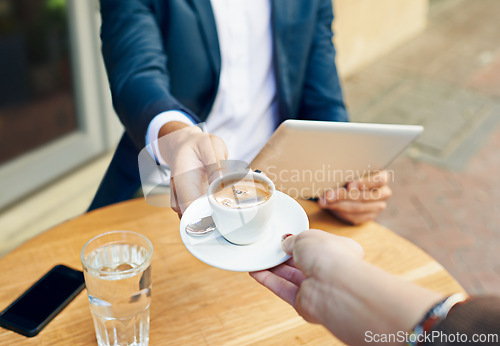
(194, 303)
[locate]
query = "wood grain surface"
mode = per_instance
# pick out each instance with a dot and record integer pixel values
(194, 303)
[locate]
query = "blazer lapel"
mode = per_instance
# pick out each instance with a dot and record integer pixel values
(280, 10)
(208, 28)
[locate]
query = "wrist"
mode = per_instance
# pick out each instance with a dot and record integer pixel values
(434, 316)
(173, 126)
(388, 304)
(398, 304)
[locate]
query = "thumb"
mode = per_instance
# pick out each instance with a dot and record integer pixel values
(313, 249)
(212, 155)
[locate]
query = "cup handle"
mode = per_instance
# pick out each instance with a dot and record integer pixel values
(258, 171)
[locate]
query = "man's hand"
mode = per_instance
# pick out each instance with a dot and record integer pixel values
(194, 159)
(360, 201)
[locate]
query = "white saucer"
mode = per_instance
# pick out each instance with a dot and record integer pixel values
(215, 250)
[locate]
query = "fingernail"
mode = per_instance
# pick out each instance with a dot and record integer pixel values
(286, 236)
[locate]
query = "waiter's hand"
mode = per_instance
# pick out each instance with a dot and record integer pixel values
(194, 159)
(360, 200)
(312, 280)
(327, 282)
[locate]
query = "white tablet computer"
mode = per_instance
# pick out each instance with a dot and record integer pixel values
(304, 158)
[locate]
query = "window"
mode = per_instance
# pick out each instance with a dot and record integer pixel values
(55, 112)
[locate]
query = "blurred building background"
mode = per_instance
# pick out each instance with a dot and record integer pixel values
(429, 62)
(57, 126)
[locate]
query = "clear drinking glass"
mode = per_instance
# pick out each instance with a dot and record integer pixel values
(117, 268)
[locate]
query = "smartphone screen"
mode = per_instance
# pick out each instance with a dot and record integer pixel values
(34, 309)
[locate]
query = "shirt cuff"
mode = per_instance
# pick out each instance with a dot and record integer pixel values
(155, 126)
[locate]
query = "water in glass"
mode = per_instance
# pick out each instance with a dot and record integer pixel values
(120, 294)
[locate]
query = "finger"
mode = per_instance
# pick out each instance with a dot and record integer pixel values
(353, 245)
(211, 152)
(189, 186)
(200, 151)
(291, 262)
(355, 219)
(336, 195)
(317, 237)
(289, 273)
(303, 305)
(316, 250)
(174, 204)
(373, 181)
(356, 207)
(276, 284)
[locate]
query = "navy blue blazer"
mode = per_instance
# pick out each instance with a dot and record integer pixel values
(164, 54)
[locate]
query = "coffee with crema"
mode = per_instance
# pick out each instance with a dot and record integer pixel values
(244, 193)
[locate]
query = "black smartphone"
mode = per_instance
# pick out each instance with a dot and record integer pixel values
(36, 307)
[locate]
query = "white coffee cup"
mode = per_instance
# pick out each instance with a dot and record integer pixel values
(242, 225)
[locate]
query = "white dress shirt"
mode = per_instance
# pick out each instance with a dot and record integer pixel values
(245, 109)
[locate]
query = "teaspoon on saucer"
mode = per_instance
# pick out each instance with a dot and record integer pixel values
(200, 227)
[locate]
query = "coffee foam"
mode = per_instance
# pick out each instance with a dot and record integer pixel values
(244, 193)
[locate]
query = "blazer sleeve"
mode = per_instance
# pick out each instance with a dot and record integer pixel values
(477, 321)
(136, 64)
(322, 97)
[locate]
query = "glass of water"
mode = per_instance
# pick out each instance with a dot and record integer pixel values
(117, 268)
